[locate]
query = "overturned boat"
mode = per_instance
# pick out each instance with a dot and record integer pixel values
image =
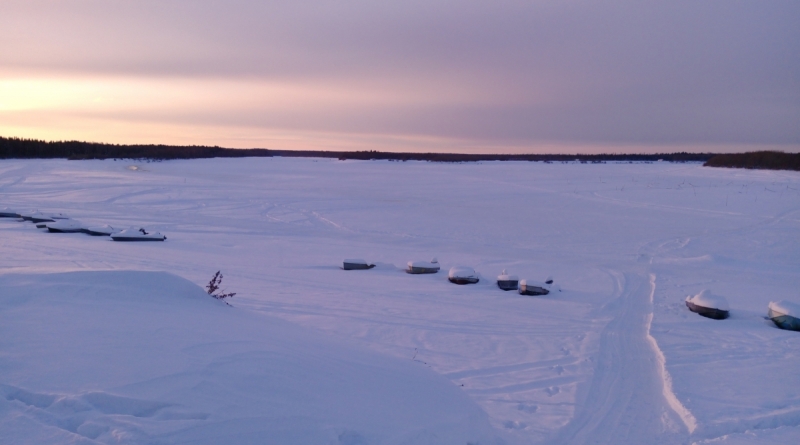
(530, 287)
(709, 305)
(39, 217)
(64, 226)
(462, 275)
(785, 314)
(35, 216)
(420, 267)
(507, 282)
(104, 230)
(5, 212)
(134, 234)
(356, 264)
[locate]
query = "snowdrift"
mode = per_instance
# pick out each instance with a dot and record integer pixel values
(148, 357)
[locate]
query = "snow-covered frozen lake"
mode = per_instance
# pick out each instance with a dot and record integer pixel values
(611, 356)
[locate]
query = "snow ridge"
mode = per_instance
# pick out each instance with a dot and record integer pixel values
(672, 400)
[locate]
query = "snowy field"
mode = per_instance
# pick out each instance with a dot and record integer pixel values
(108, 342)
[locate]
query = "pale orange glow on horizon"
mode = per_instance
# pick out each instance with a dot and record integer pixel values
(253, 113)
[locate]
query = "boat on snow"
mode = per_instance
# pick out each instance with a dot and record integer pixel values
(42, 223)
(462, 275)
(709, 305)
(785, 314)
(64, 226)
(104, 230)
(5, 212)
(531, 287)
(420, 267)
(134, 234)
(507, 282)
(39, 217)
(356, 264)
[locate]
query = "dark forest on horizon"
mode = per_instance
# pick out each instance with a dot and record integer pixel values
(18, 148)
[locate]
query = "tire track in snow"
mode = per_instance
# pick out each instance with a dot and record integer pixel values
(626, 401)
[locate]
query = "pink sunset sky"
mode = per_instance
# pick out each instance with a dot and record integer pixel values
(435, 75)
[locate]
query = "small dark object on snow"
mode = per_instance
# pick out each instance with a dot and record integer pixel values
(528, 287)
(507, 282)
(133, 234)
(356, 264)
(212, 288)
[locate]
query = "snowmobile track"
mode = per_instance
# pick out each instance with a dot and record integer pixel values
(625, 400)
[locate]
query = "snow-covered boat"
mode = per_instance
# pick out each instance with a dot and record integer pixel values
(709, 305)
(134, 234)
(35, 216)
(39, 217)
(462, 275)
(64, 226)
(507, 282)
(104, 230)
(785, 314)
(5, 212)
(356, 264)
(530, 287)
(418, 267)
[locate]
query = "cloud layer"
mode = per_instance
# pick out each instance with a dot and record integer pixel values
(419, 75)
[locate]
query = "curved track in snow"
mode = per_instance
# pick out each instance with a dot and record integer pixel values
(626, 397)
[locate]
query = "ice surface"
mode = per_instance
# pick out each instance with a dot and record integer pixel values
(615, 358)
(706, 299)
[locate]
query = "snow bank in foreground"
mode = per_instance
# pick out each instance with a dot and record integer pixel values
(145, 357)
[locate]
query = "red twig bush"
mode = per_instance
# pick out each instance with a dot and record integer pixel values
(213, 288)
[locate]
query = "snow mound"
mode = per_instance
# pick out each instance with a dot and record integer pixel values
(148, 357)
(709, 300)
(785, 307)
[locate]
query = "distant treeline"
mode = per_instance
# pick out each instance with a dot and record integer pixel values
(766, 160)
(457, 157)
(16, 148)
(11, 148)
